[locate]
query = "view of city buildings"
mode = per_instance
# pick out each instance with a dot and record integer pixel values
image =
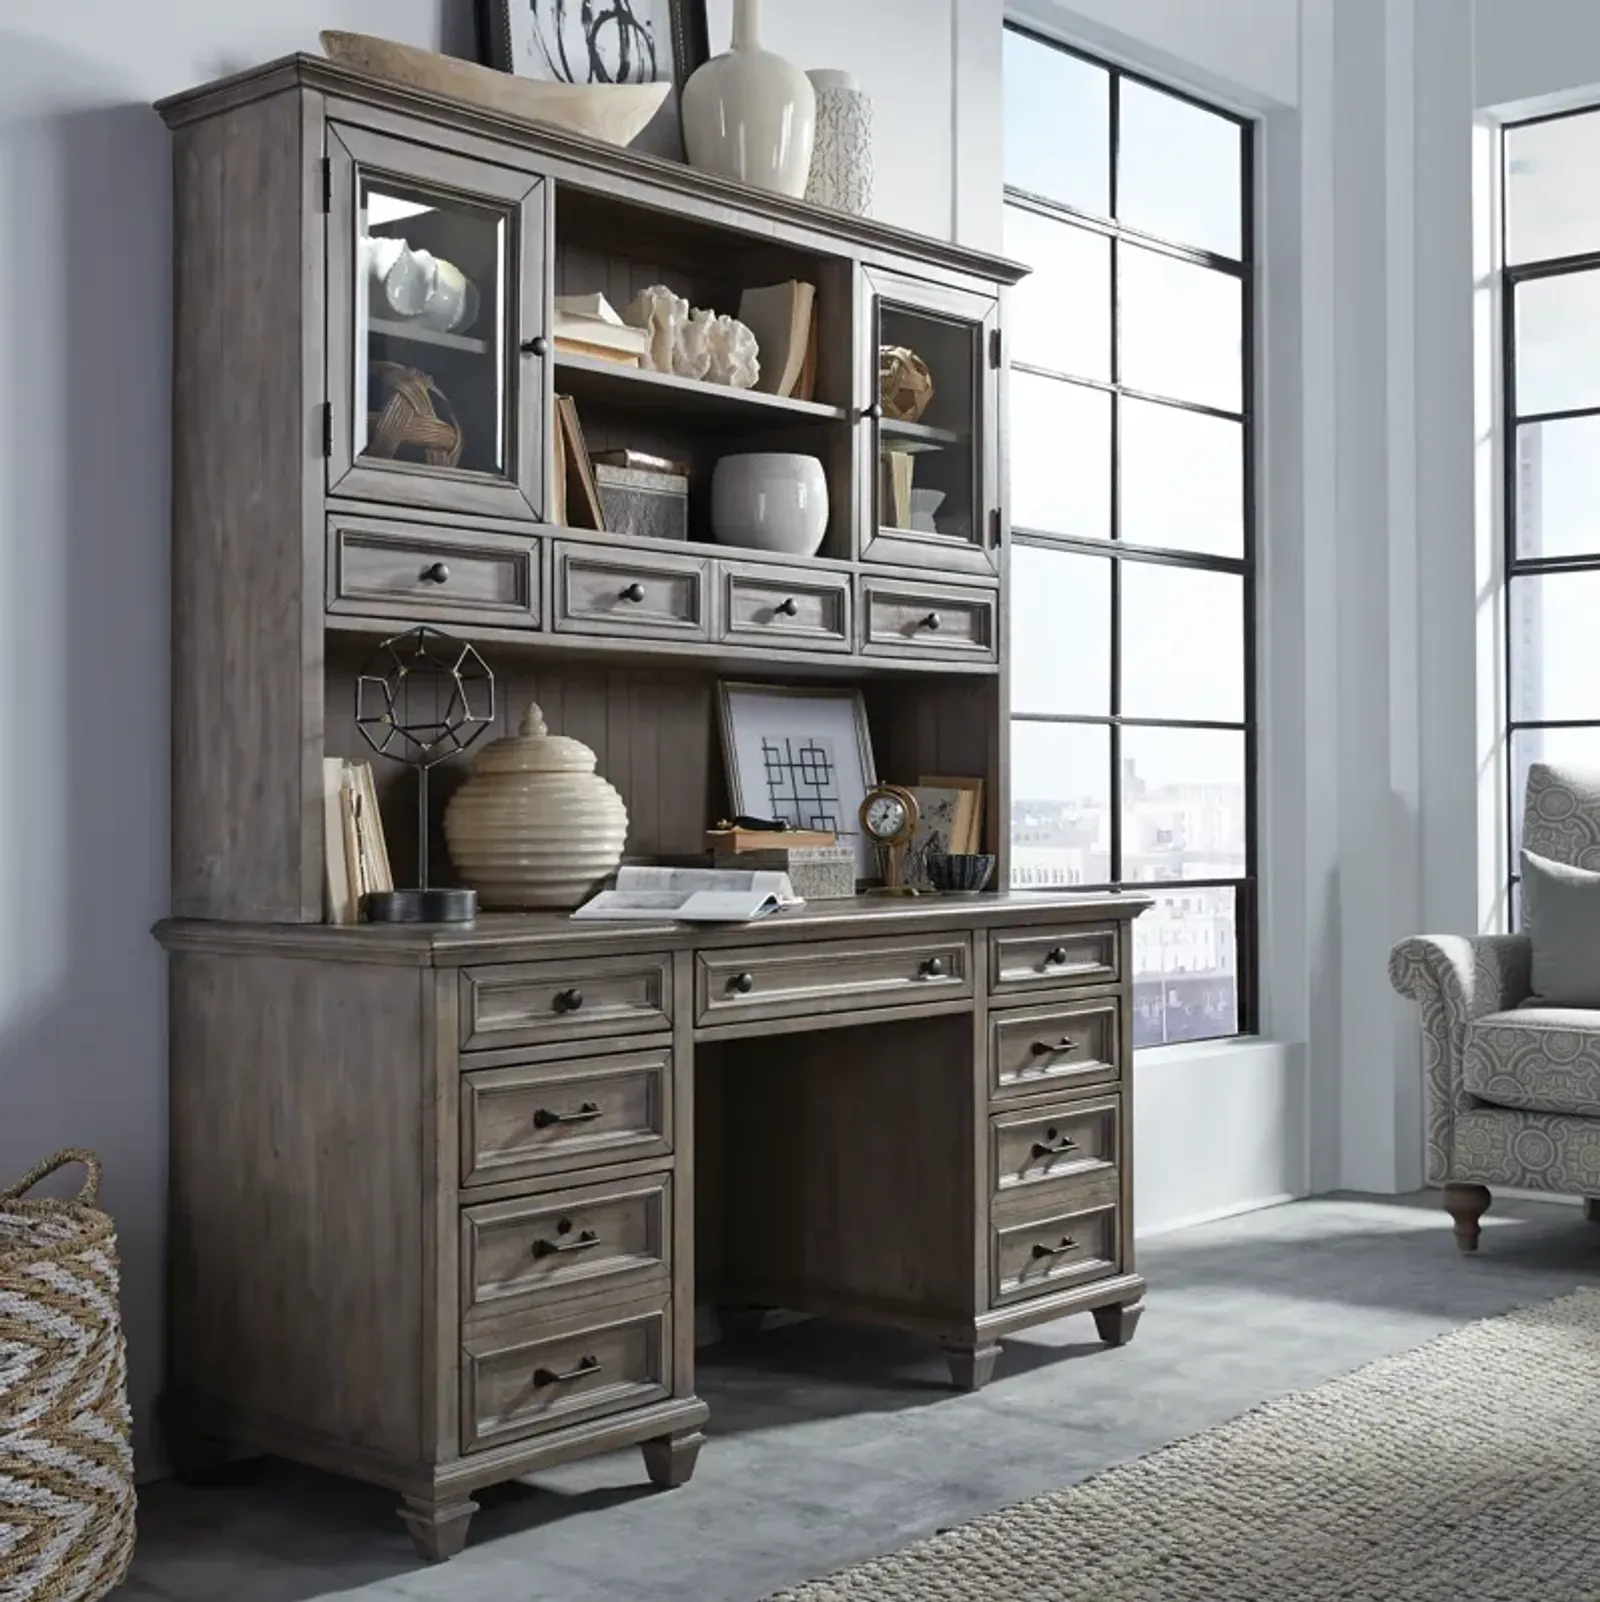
(1185, 947)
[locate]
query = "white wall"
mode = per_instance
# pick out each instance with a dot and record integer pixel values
(1528, 49)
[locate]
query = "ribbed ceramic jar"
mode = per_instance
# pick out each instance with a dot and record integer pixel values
(841, 161)
(535, 825)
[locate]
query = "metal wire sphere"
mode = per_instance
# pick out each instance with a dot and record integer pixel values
(422, 696)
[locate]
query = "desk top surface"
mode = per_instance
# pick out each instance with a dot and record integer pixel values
(514, 937)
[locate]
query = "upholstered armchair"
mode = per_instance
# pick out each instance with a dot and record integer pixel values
(1513, 1091)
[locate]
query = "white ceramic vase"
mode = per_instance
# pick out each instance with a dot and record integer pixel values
(749, 114)
(770, 501)
(535, 825)
(841, 160)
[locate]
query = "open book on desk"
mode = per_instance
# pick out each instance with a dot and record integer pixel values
(691, 895)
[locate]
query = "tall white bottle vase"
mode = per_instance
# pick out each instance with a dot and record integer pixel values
(841, 162)
(749, 114)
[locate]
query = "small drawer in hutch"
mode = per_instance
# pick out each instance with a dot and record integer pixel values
(1072, 1141)
(927, 620)
(1039, 959)
(784, 608)
(643, 597)
(1033, 1049)
(540, 1249)
(537, 1375)
(831, 976)
(531, 1003)
(380, 570)
(540, 1118)
(1068, 1236)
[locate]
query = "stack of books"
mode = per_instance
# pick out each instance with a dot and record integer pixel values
(355, 854)
(589, 325)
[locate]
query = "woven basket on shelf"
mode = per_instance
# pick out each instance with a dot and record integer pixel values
(417, 418)
(66, 1463)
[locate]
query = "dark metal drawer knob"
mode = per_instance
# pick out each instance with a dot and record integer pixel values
(932, 622)
(552, 1376)
(537, 346)
(1046, 1048)
(1053, 1145)
(436, 573)
(1067, 1244)
(569, 1000)
(744, 983)
(787, 608)
(634, 592)
(933, 968)
(584, 1241)
(1058, 956)
(873, 412)
(544, 1118)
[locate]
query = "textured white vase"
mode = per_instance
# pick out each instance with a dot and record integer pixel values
(535, 825)
(749, 114)
(770, 501)
(841, 159)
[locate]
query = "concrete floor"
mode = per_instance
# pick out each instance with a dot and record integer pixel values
(830, 1445)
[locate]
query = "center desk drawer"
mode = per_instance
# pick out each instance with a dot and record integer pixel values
(649, 597)
(1042, 958)
(530, 1003)
(1033, 1049)
(541, 1118)
(1073, 1141)
(539, 1249)
(833, 976)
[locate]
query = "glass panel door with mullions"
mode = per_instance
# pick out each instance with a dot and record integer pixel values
(436, 329)
(933, 479)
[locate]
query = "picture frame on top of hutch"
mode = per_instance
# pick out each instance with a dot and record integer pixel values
(621, 42)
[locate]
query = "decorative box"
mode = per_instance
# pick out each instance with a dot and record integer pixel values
(819, 873)
(652, 505)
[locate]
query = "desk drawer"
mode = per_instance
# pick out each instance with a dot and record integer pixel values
(381, 571)
(644, 597)
(542, 1118)
(1040, 959)
(538, 1375)
(530, 1003)
(785, 608)
(539, 1249)
(1070, 1141)
(1068, 1235)
(929, 620)
(832, 976)
(1033, 1049)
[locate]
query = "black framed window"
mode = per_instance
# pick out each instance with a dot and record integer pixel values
(1550, 333)
(1133, 520)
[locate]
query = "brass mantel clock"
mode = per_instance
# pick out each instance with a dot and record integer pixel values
(889, 815)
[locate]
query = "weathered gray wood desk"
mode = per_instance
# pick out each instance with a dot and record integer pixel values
(443, 1200)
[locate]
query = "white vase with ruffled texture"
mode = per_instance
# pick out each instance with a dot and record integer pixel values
(749, 114)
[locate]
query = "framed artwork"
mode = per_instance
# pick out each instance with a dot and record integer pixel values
(946, 824)
(621, 41)
(803, 754)
(969, 832)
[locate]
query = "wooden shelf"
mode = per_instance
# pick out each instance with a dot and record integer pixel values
(923, 434)
(417, 334)
(587, 378)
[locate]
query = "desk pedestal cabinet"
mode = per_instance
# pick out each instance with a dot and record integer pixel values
(435, 1192)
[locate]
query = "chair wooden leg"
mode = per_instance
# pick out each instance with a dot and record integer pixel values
(1466, 1204)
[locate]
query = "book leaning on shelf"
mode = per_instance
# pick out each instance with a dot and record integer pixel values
(355, 855)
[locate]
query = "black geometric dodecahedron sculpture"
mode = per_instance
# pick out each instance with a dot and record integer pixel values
(422, 696)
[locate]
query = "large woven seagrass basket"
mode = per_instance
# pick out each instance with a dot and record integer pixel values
(66, 1462)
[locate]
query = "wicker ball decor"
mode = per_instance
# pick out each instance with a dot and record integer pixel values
(416, 418)
(905, 385)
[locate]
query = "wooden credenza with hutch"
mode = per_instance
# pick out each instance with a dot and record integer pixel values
(443, 1200)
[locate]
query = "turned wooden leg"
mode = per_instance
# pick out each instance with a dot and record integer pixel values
(438, 1529)
(1591, 1209)
(1115, 1324)
(1466, 1204)
(669, 1460)
(971, 1367)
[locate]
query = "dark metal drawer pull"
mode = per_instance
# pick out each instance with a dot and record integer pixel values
(1068, 1244)
(1043, 1048)
(744, 983)
(569, 1000)
(787, 608)
(634, 592)
(537, 346)
(436, 573)
(1058, 957)
(586, 1114)
(932, 622)
(933, 968)
(580, 1242)
(1050, 1146)
(551, 1376)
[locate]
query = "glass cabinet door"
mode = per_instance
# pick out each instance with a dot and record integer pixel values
(436, 381)
(933, 474)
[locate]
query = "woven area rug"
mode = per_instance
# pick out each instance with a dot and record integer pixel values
(1467, 1470)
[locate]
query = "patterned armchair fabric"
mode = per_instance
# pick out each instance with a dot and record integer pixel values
(1513, 1096)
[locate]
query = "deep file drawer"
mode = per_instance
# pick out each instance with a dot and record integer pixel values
(1068, 1235)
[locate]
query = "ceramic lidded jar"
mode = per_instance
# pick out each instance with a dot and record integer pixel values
(535, 825)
